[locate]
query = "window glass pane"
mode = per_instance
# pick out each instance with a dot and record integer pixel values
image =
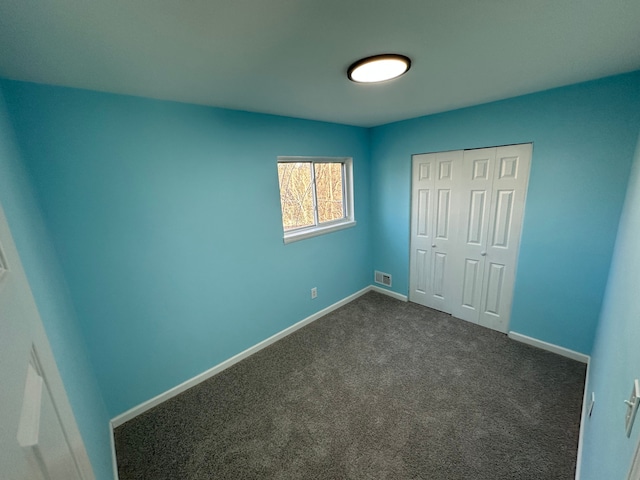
(329, 191)
(296, 195)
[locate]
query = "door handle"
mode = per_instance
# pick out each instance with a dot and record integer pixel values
(433, 245)
(483, 253)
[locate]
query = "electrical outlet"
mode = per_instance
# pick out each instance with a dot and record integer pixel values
(314, 292)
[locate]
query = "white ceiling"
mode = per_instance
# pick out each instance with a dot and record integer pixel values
(289, 57)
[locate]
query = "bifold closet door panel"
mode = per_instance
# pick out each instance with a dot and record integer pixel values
(434, 225)
(510, 180)
(421, 227)
(475, 191)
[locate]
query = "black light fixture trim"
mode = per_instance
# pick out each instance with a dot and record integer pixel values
(384, 56)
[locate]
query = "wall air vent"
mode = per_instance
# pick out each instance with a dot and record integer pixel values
(383, 278)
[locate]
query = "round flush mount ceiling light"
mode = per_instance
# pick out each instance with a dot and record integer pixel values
(378, 68)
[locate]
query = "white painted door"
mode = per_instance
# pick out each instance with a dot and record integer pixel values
(466, 218)
(510, 180)
(475, 189)
(434, 224)
(493, 190)
(39, 438)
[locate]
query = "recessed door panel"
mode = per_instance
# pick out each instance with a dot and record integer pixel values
(480, 169)
(423, 212)
(494, 281)
(476, 217)
(425, 171)
(442, 221)
(439, 269)
(445, 170)
(503, 217)
(422, 266)
(508, 167)
(470, 283)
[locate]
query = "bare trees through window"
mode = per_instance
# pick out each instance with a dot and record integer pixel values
(311, 193)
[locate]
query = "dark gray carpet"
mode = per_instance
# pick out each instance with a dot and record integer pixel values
(378, 389)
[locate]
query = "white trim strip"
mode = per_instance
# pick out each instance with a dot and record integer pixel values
(314, 231)
(390, 293)
(157, 400)
(565, 352)
(114, 459)
(583, 419)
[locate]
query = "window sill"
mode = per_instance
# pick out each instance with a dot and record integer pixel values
(315, 231)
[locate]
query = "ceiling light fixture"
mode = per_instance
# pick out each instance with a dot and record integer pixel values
(378, 68)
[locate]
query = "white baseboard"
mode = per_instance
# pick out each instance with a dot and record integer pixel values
(157, 400)
(114, 461)
(565, 352)
(583, 419)
(397, 296)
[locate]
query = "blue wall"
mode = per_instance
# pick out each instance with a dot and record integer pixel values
(615, 363)
(52, 299)
(166, 218)
(584, 137)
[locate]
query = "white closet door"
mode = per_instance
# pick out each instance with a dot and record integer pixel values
(474, 188)
(466, 219)
(510, 179)
(433, 228)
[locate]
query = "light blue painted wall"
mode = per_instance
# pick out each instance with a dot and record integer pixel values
(166, 221)
(166, 218)
(51, 295)
(584, 137)
(615, 362)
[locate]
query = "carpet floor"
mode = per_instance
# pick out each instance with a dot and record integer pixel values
(378, 389)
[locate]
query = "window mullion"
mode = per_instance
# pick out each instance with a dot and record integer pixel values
(345, 204)
(315, 193)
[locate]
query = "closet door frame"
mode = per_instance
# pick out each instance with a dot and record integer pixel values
(487, 192)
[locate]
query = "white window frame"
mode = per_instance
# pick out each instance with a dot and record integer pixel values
(348, 221)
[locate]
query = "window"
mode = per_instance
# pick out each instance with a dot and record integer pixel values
(316, 195)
